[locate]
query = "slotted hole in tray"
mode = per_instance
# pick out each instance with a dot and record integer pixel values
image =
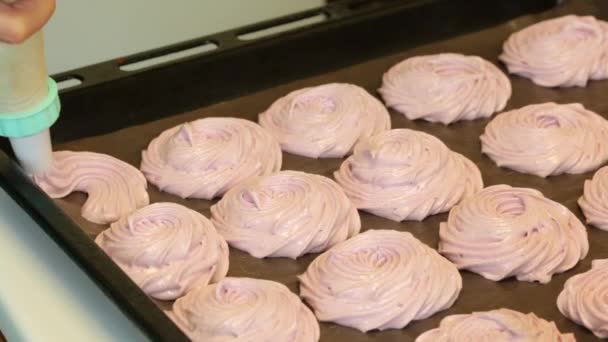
(69, 82)
(168, 57)
(367, 4)
(292, 25)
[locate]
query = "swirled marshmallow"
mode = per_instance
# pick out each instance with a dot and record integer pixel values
(584, 298)
(245, 309)
(445, 88)
(594, 202)
(166, 249)
(379, 279)
(206, 157)
(325, 121)
(600, 69)
(547, 139)
(403, 174)
(502, 325)
(114, 188)
(503, 231)
(560, 52)
(286, 214)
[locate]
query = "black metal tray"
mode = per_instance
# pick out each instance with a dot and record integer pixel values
(241, 78)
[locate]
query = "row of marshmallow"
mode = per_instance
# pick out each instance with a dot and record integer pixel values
(167, 249)
(399, 174)
(380, 279)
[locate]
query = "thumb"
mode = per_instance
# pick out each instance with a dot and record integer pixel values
(19, 19)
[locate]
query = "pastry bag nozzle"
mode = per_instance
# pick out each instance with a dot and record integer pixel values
(29, 102)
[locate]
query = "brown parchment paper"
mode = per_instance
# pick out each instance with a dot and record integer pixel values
(478, 294)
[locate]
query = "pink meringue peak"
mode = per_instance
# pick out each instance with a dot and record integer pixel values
(325, 121)
(166, 249)
(502, 325)
(403, 174)
(379, 279)
(206, 157)
(245, 309)
(503, 231)
(445, 88)
(114, 188)
(547, 139)
(594, 202)
(561, 52)
(286, 214)
(584, 298)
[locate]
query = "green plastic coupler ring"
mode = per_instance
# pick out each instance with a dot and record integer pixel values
(43, 116)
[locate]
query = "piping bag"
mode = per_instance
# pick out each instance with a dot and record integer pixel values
(29, 102)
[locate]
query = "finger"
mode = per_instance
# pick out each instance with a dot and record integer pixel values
(23, 18)
(12, 28)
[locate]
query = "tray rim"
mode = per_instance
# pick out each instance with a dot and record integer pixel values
(335, 12)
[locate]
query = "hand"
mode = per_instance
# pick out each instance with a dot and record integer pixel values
(19, 19)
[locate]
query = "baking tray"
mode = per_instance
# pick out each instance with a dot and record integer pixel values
(118, 113)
